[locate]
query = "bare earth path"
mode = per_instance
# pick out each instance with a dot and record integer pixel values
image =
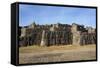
(34, 54)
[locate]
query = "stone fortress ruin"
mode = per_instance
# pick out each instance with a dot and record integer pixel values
(56, 34)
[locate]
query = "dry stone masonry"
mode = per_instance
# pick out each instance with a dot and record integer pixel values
(56, 34)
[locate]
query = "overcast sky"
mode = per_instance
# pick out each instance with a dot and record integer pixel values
(52, 15)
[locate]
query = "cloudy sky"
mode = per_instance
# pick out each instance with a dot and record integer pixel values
(53, 14)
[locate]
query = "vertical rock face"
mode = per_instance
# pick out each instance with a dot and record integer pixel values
(43, 40)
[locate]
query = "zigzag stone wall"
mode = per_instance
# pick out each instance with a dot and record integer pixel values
(56, 34)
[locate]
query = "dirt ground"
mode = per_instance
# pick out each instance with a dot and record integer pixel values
(37, 54)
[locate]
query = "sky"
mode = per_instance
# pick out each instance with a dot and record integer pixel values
(52, 14)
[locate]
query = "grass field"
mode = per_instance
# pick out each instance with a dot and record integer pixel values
(40, 54)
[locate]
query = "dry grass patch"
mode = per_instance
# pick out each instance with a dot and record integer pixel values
(39, 49)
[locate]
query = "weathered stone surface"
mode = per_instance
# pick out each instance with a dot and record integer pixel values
(56, 34)
(44, 39)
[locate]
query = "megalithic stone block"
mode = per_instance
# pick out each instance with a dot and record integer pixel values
(43, 40)
(76, 38)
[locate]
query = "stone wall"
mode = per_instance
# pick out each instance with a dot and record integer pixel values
(88, 38)
(56, 34)
(83, 36)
